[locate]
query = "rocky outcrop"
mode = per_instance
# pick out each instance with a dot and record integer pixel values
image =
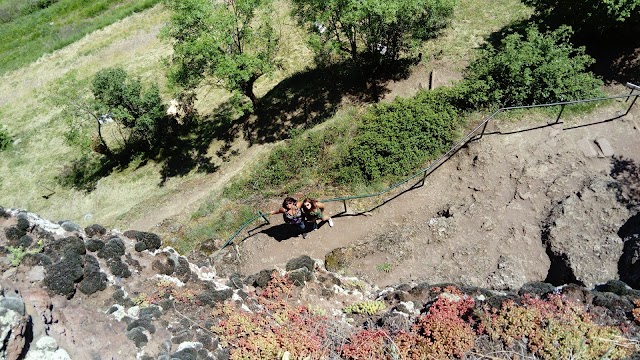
(580, 235)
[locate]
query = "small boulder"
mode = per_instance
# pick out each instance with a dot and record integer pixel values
(151, 240)
(300, 262)
(95, 229)
(70, 226)
(94, 245)
(93, 280)
(300, 276)
(114, 248)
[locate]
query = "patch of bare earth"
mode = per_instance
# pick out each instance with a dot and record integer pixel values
(479, 218)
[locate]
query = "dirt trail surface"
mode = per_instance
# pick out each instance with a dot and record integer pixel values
(480, 217)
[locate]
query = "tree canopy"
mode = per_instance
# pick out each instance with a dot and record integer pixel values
(231, 42)
(590, 16)
(371, 29)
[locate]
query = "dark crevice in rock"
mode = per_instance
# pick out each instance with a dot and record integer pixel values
(560, 271)
(629, 262)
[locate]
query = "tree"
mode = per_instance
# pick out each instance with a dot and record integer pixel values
(372, 30)
(233, 42)
(137, 114)
(534, 68)
(137, 111)
(594, 17)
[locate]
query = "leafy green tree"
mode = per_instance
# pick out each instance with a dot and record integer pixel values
(534, 68)
(137, 114)
(374, 30)
(137, 111)
(590, 16)
(231, 42)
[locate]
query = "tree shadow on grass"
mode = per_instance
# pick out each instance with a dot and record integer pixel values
(187, 149)
(300, 101)
(307, 98)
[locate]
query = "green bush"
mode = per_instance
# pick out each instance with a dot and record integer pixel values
(534, 68)
(5, 139)
(596, 17)
(397, 138)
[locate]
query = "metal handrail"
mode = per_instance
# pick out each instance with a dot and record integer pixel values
(426, 171)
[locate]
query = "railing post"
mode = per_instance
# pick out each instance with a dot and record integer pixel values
(560, 113)
(630, 92)
(630, 106)
(344, 202)
(483, 128)
(264, 216)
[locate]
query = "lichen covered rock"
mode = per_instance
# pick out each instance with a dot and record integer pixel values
(60, 278)
(113, 249)
(93, 279)
(95, 229)
(151, 241)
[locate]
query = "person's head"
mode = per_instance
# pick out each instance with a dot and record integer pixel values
(288, 201)
(309, 204)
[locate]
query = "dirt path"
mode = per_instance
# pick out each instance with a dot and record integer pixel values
(480, 212)
(182, 204)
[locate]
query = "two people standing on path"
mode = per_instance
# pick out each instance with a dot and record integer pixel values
(299, 213)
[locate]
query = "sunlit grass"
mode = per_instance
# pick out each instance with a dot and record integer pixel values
(28, 32)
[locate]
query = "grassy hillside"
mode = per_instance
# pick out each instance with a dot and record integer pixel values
(28, 168)
(30, 29)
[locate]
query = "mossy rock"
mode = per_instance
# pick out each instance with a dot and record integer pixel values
(151, 240)
(183, 271)
(13, 234)
(113, 249)
(23, 224)
(140, 246)
(339, 260)
(536, 287)
(260, 279)
(93, 279)
(613, 302)
(95, 229)
(300, 262)
(137, 336)
(60, 278)
(118, 268)
(74, 246)
(300, 276)
(94, 245)
(617, 287)
(212, 296)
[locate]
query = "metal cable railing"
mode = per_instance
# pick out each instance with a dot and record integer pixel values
(442, 159)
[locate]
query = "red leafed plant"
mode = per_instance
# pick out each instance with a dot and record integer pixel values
(277, 326)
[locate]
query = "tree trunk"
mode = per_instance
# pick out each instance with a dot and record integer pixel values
(105, 147)
(247, 90)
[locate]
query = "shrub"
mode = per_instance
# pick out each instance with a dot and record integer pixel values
(272, 329)
(396, 138)
(555, 329)
(5, 139)
(533, 68)
(443, 332)
(366, 344)
(365, 307)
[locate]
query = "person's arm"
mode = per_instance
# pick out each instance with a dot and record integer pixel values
(279, 211)
(320, 205)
